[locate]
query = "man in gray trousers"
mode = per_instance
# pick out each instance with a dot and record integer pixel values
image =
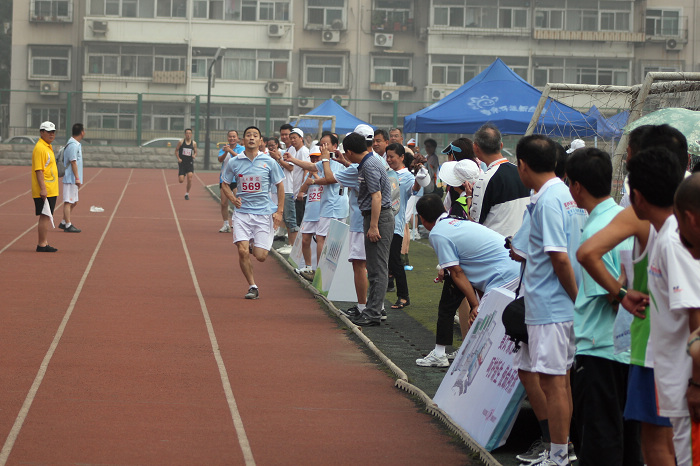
(374, 200)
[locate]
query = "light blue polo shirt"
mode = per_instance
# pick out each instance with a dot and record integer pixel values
(478, 250)
(254, 180)
(556, 224)
(521, 238)
(333, 204)
(73, 151)
(406, 180)
(594, 316)
(312, 210)
(348, 178)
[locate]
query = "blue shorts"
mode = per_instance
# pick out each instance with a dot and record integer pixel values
(290, 216)
(641, 397)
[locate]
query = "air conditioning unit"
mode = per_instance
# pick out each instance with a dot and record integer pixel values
(437, 94)
(275, 30)
(48, 88)
(274, 87)
(342, 100)
(305, 102)
(99, 27)
(673, 44)
(390, 96)
(330, 36)
(383, 40)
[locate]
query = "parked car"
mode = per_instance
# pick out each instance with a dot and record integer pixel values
(25, 139)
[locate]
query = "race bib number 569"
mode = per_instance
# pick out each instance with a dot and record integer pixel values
(250, 184)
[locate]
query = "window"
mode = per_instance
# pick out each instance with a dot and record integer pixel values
(200, 67)
(171, 8)
(38, 115)
(455, 70)
(392, 15)
(391, 70)
(133, 61)
(265, 11)
(491, 14)
(383, 121)
(49, 62)
(614, 16)
(51, 10)
(448, 13)
(225, 117)
(272, 64)
(124, 8)
(322, 14)
(600, 72)
(548, 70)
(663, 23)
(209, 9)
(324, 71)
(549, 19)
(110, 116)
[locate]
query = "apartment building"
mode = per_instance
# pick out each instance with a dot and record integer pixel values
(136, 69)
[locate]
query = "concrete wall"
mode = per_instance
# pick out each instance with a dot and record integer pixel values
(108, 156)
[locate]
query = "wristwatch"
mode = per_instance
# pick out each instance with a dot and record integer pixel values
(622, 293)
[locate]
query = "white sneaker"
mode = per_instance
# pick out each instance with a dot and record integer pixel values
(225, 229)
(432, 360)
(286, 249)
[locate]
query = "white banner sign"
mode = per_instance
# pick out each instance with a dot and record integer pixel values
(334, 277)
(481, 390)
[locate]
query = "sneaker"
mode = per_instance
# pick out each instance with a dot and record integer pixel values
(364, 321)
(451, 356)
(536, 454)
(307, 274)
(572, 453)
(431, 360)
(383, 317)
(187, 197)
(46, 248)
(62, 226)
(351, 313)
(286, 249)
(225, 229)
(72, 229)
(252, 293)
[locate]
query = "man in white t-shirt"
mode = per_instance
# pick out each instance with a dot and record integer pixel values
(654, 175)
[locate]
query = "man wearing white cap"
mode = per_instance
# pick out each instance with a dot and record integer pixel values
(575, 144)
(44, 183)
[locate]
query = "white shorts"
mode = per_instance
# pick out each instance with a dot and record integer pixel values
(70, 193)
(324, 224)
(255, 227)
(411, 208)
(552, 347)
(309, 227)
(521, 359)
(356, 241)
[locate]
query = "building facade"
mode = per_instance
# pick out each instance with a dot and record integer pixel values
(132, 70)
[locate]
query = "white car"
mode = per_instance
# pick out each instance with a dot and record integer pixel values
(162, 142)
(25, 139)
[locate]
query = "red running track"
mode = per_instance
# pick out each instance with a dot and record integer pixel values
(133, 345)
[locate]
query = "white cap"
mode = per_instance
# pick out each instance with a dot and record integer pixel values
(576, 144)
(411, 142)
(315, 150)
(297, 131)
(456, 173)
(47, 126)
(365, 130)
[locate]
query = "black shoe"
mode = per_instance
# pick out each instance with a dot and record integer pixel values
(62, 226)
(351, 313)
(72, 229)
(364, 321)
(46, 248)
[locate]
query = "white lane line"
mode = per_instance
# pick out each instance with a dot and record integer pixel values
(7, 246)
(16, 197)
(13, 178)
(233, 407)
(22, 416)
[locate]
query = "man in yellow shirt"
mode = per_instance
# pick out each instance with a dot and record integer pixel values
(44, 182)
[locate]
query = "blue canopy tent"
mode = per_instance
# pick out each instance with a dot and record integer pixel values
(344, 120)
(499, 96)
(609, 127)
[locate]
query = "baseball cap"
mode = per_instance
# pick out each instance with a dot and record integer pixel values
(411, 142)
(47, 126)
(365, 130)
(315, 150)
(456, 173)
(576, 144)
(297, 131)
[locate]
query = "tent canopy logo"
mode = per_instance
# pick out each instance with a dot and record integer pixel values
(478, 103)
